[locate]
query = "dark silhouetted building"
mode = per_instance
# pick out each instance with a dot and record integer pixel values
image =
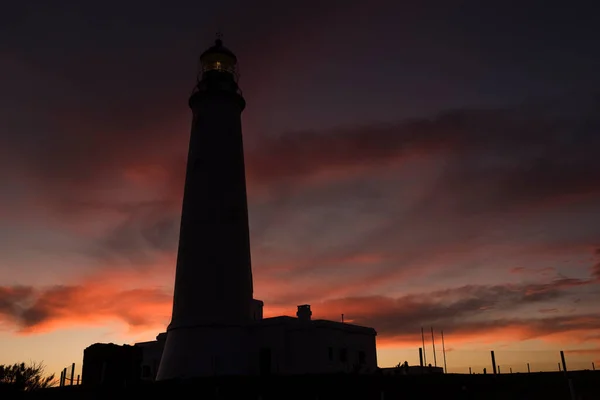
(109, 364)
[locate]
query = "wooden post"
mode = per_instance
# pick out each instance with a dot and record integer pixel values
(559, 367)
(528, 369)
(564, 363)
(60, 382)
(78, 379)
(424, 354)
(469, 370)
(498, 370)
(421, 356)
(72, 374)
(433, 343)
(493, 362)
(444, 352)
(510, 370)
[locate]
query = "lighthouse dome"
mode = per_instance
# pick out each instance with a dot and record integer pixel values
(219, 58)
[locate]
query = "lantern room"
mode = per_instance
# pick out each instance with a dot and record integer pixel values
(218, 58)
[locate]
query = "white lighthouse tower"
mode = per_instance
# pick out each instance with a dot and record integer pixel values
(212, 303)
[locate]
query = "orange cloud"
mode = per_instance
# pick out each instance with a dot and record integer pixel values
(93, 301)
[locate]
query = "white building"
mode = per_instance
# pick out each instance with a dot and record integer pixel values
(291, 345)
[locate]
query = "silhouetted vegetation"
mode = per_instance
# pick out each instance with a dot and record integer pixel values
(24, 377)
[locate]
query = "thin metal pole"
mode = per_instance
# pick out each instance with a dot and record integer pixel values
(564, 363)
(433, 343)
(444, 351)
(423, 339)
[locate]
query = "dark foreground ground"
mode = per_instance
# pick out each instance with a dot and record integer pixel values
(546, 386)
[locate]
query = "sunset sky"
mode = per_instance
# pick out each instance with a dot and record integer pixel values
(409, 164)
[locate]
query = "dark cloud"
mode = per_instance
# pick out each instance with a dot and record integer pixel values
(13, 299)
(491, 162)
(31, 309)
(461, 309)
(488, 162)
(470, 309)
(596, 271)
(148, 231)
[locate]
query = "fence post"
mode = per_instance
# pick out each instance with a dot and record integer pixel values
(78, 380)
(60, 381)
(528, 369)
(493, 362)
(564, 363)
(72, 373)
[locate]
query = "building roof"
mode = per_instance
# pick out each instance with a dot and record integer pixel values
(296, 323)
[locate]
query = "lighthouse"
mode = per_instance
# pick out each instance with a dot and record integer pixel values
(217, 328)
(212, 302)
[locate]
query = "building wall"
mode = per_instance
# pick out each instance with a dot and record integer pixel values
(151, 355)
(275, 346)
(301, 348)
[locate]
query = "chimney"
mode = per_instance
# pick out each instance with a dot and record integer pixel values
(304, 312)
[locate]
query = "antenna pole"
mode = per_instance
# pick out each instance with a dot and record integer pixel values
(433, 342)
(444, 351)
(423, 339)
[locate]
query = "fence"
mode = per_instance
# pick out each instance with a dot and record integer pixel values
(506, 361)
(68, 377)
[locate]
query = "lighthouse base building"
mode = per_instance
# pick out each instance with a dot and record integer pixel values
(281, 346)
